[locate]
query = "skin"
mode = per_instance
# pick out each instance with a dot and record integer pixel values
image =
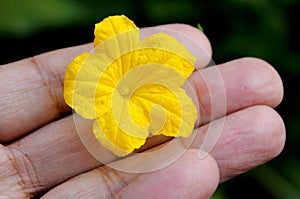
(42, 155)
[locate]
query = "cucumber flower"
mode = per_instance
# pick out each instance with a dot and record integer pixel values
(131, 88)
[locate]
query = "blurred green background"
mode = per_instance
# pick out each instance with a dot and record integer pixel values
(267, 29)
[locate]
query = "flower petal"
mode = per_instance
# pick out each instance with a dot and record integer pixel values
(168, 51)
(180, 125)
(141, 56)
(114, 139)
(132, 88)
(180, 111)
(80, 83)
(112, 26)
(152, 83)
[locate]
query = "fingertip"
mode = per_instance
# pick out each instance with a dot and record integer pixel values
(260, 72)
(189, 176)
(275, 79)
(250, 137)
(267, 118)
(201, 174)
(209, 174)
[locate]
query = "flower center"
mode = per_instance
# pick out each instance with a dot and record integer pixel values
(124, 91)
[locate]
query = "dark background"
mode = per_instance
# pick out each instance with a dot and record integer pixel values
(267, 29)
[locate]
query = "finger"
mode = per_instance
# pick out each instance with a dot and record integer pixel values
(9, 185)
(187, 177)
(32, 92)
(235, 85)
(64, 151)
(250, 137)
(32, 89)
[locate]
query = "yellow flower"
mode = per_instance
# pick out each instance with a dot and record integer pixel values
(131, 88)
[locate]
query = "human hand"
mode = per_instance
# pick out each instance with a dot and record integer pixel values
(41, 152)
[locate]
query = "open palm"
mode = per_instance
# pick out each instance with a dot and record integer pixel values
(42, 156)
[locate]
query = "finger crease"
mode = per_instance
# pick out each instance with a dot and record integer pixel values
(48, 83)
(25, 170)
(112, 180)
